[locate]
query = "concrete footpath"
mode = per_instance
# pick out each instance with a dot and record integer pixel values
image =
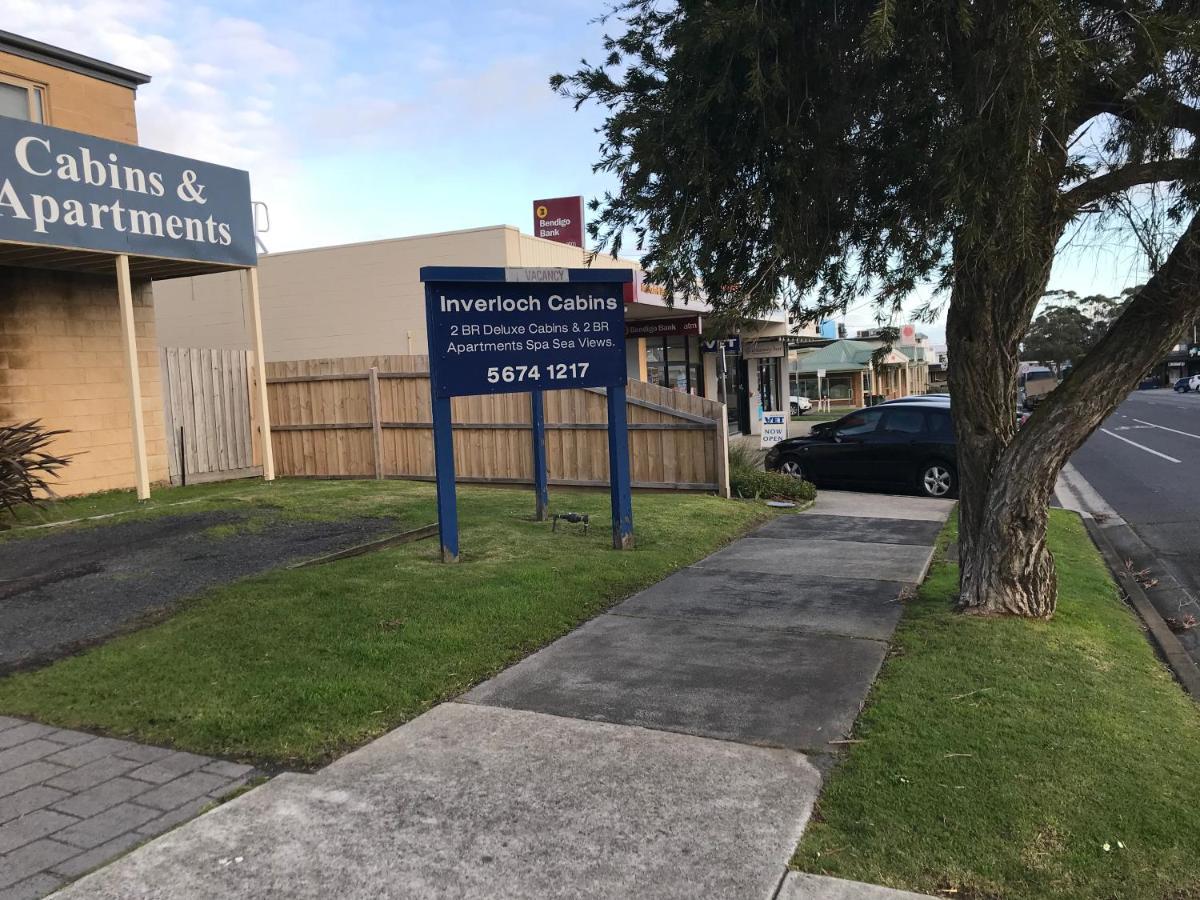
(672, 747)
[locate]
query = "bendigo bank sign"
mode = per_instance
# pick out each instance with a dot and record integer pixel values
(64, 189)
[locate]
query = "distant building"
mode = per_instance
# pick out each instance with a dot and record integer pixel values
(847, 373)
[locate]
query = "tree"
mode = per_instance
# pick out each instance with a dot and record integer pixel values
(1058, 336)
(823, 151)
(1064, 333)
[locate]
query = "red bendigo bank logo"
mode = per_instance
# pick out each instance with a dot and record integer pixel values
(559, 219)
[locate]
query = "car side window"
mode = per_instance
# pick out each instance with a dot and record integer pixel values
(857, 424)
(941, 427)
(905, 422)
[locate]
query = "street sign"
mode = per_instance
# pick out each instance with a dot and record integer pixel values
(774, 429)
(820, 373)
(494, 330)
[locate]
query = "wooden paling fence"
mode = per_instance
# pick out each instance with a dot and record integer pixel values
(208, 414)
(370, 417)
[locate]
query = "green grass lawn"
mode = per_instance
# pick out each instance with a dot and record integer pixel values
(1010, 759)
(822, 416)
(293, 667)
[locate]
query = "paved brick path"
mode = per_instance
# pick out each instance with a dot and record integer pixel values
(70, 801)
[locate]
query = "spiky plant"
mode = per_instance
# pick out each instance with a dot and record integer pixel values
(25, 466)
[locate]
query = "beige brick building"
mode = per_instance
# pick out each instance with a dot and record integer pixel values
(68, 355)
(61, 358)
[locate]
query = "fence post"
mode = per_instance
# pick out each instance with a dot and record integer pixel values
(376, 421)
(722, 444)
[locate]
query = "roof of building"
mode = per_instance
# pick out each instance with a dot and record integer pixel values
(28, 48)
(840, 356)
(843, 356)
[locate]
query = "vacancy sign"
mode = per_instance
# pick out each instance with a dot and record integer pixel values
(559, 219)
(774, 428)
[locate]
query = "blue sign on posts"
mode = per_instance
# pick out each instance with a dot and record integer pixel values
(497, 330)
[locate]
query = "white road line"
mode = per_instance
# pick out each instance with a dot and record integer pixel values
(1175, 430)
(1139, 446)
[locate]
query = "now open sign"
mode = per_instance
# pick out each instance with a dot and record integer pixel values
(774, 428)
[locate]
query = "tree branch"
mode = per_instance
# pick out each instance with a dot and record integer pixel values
(1125, 177)
(1141, 336)
(1176, 113)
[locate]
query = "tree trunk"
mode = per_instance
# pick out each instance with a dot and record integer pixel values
(1005, 567)
(1006, 480)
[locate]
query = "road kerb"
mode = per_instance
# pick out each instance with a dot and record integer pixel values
(1168, 645)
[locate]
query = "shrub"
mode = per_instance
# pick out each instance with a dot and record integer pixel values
(749, 481)
(25, 465)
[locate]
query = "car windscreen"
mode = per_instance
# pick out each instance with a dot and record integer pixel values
(859, 423)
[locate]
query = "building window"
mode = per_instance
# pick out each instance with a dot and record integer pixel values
(674, 362)
(22, 99)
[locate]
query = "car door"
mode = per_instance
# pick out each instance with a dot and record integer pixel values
(890, 457)
(853, 436)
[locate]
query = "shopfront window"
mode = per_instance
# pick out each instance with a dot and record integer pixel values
(835, 387)
(674, 362)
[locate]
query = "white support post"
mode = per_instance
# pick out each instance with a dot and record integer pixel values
(141, 467)
(262, 408)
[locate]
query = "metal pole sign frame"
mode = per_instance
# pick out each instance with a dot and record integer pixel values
(524, 330)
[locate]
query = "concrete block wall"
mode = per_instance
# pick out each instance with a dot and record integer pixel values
(61, 361)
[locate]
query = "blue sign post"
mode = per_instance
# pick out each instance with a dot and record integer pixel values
(515, 330)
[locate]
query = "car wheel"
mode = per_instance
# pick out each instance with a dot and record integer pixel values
(790, 466)
(937, 479)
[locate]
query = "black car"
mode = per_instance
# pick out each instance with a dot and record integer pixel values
(892, 446)
(1183, 385)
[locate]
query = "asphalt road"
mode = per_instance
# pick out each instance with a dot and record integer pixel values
(1144, 461)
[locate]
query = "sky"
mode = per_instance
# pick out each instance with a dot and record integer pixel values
(367, 119)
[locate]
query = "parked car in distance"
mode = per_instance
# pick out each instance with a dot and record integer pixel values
(1194, 383)
(1183, 385)
(907, 446)
(800, 405)
(1035, 384)
(918, 398)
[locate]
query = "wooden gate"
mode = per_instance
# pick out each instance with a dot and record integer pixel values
(206, 395)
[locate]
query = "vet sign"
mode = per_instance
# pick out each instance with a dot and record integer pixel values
(774, 428)
(510, 336)
(64, 189)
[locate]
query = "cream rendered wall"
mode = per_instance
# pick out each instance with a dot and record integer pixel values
(350, 300)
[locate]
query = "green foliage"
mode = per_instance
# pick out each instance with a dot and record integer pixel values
(826, 151)
(1003, 758)
(748, 480)
(1065, 333)
(25, 466)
